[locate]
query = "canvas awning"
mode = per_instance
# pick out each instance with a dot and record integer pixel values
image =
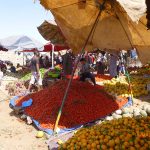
(21, 42)
(51, 32)
(114, 29)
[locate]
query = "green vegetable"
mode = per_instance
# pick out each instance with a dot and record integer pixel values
(28, 76)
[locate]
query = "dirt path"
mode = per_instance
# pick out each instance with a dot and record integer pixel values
(15, 134)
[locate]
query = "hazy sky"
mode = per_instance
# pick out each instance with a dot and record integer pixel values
(22, 17)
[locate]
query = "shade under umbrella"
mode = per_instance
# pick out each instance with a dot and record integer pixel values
(114, 30)
(20, 43)
(51, 32)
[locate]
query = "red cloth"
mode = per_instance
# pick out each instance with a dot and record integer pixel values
(48, 47)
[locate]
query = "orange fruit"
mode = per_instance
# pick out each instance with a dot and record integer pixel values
(146, 145)
(93, 145)
(132, 148)
(104, 147)
(98, 146)
(101, 136)
(112, 134)
(117, 140)
(108, 137)
(105, 140)
(137, 146)
(84, 144)
(111, 143)
(126, 144)
(90, 141)
(89, 146)
(142, 142)
(72, 144)
(97, 142)
(72, 148)
(131, 143)
(64, 146)
(117, 147)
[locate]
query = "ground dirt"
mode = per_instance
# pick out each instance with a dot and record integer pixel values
(15, 134)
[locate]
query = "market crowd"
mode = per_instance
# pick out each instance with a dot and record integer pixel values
(97, 62)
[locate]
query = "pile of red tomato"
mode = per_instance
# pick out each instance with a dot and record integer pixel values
(85, 103)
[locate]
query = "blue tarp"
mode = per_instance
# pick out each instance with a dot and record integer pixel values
(49, 131)
(29, 103)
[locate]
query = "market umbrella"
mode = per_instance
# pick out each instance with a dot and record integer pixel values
(104, 24)
(49, 47)
(56, 47)
(51, 32)
(114, 21)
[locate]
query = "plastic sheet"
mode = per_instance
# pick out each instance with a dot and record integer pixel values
(28, 103)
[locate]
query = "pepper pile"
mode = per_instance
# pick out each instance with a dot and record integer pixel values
(85, 103)
(121, 134)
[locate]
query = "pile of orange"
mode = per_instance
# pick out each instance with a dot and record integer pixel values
(101, 78)
(121, 134)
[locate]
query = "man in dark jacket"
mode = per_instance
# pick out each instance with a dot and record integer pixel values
(85, 71)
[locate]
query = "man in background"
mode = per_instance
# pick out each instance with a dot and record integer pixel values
(113, 65)
(67, 62)
(35, 70)
(85, 71)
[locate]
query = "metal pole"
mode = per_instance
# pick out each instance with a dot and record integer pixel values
(52, 56)
(130, 87)
(23, 58)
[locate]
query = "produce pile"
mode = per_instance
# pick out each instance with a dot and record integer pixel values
(54, 73)
(137, 110)
(140, 71)
(121, 134)
(28, 76)
(120, 86)
(15, 88)
(101, 78)
(85, 103)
